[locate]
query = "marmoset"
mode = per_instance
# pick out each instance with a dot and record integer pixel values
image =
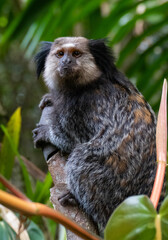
(101, 120)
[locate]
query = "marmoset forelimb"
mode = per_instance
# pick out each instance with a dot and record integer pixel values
(101, 120)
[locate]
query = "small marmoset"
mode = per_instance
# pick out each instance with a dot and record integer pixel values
(101, 120)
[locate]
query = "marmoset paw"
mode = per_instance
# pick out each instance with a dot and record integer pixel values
(67, 199)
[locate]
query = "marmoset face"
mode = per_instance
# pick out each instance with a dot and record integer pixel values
(70, 63)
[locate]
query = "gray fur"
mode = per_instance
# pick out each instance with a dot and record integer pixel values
(109, 131)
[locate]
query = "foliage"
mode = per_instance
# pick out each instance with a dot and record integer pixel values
(9, 151)
(7, 233)
(139, 220)
(136, 214)
(138, 29)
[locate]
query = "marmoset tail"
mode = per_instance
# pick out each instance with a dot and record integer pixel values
(101, 120)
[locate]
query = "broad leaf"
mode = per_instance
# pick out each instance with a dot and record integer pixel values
(164, 218)
(133, 219)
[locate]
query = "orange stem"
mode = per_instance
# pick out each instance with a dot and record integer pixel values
(161, 147)
(38, 209)
(13, 189)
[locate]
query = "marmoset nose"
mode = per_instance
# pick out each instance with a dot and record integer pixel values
(67, 60)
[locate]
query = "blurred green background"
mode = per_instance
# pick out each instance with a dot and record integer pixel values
(137, 32)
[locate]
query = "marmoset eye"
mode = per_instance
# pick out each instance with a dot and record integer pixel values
(76, 54)
(60, 54)
(96, 117)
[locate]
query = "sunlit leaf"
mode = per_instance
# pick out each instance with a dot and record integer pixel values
(134, 43)
(10, 150)
(7, 153)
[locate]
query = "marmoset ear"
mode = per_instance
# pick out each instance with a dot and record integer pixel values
(103, 56)
(40, 57)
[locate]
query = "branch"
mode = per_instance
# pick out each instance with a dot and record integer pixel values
(56, 166)
(13, 189)
(38, 209)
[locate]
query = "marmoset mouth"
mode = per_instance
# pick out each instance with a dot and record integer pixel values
(65, 71)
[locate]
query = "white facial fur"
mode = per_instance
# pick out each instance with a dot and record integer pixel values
(68, 45)
(85, 64)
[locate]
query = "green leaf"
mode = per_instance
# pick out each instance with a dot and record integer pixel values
(140, 59)
(164, 218)
(7, 153)
(134, 43)
(27, 182)
(22, 20)
(130, 25)
(117, 11)
(2, 3)
(7, 233)
(42, 192)
(34, 232)
(133, 219)
(10, 150)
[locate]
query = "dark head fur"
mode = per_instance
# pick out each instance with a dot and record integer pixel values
(105, 60)
(41, 56)
(103, 57)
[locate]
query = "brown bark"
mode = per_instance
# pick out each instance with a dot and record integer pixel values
(56, 165)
